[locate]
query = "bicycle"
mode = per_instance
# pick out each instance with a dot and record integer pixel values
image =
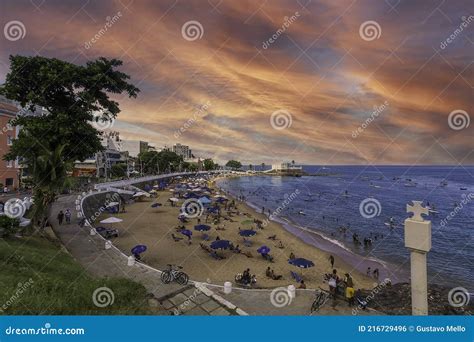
(173, 274)
(322, 297)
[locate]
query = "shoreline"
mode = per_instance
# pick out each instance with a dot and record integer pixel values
(154, 228)
(318, 240)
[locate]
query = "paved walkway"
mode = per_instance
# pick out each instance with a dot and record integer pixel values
(91, 253)
(175, 299)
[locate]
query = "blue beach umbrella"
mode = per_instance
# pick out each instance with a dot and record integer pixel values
(247, 232)
(263, 250)
(204, 200)
(156, 205)
(186, 232)
(202, 227)
(301, 263)
(138, 249)
(220, 244)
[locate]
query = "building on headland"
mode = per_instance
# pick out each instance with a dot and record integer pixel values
(9, 170)
(287, 169)
(183, 151)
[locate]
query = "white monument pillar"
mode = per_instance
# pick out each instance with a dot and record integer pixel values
(418, 241)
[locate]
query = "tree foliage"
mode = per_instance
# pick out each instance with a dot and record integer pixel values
(234, 164)
(73, 96)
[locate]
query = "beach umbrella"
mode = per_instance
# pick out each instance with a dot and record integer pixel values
(202, 227)
(247, 222)
(247, 232)
(204, 200)
(186, 232)
(220, 244)
(301, 262)
(140, 194)
(174, 199)
(156, 205)
(111, 220)
(263, 250)
(138, 249)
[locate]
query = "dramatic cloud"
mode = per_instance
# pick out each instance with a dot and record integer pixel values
(379, 95)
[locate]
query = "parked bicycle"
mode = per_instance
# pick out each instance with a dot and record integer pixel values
(322, 297)
(173, 273)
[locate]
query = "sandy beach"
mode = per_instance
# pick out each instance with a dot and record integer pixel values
(154, 227)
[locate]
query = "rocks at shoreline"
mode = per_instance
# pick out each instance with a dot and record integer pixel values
(396, 300)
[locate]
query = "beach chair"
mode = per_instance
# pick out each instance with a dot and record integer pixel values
(107, 232)
(296, 277)
(175, 238)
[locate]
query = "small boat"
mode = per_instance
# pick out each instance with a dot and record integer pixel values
(463, 188)
(301, 212)
(443, 183)
(410, 185)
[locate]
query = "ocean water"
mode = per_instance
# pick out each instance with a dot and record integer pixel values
(325, 203)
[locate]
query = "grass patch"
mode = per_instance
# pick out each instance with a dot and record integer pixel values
(38, 278)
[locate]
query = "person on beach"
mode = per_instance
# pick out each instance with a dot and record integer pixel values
(349, 289)
(68, 215)
(60, 217)
(331, 260)
(376, 273)
(292, 256)
(302, 285)
(368, 271)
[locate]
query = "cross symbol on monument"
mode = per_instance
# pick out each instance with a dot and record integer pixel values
(417, 209)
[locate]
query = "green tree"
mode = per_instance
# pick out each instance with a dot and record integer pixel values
(234, 164)
(73, 96)
(119, 170)
(209, 164)
(163, 161)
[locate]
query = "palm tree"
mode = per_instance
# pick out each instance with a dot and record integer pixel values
(263, 166)
(49, 177)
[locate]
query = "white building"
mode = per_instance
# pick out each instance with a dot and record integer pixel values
(183, 151)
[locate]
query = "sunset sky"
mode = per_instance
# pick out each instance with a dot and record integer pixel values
(321, 71)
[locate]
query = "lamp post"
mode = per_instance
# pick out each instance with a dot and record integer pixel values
(418, 241)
